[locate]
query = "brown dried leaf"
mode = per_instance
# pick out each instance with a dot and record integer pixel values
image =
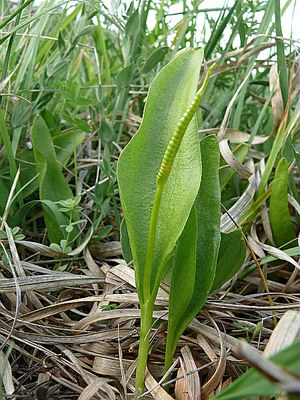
(188, 388)
(154, 388)
(98, 386)
(216, 379)
(6, 376)
(240, 207)
(229, 108)
(277, 103)
(284, 334)
(38, 248)
(122, 273)
(46, 282)
(235, 136)
(110, 366)
(249, 50)
(232, 161)
(274, 251)
(203, 343)
(106, 250)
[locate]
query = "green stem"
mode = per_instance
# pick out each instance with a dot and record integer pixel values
(151, 241)
(170, 350)
(146, 323)
(168, 361)
(148, 297)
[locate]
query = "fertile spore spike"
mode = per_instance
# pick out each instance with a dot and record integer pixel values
(173, 146)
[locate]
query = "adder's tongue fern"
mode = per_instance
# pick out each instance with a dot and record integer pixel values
(173, 146)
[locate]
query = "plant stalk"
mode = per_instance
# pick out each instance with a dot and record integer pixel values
(146, 323)
(168, 363)
(151, 242)
(148, 298)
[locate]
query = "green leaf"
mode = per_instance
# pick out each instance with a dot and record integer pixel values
(69, 89)
(51, 207)
(52, 121)
(170, 94)
(297, 157)
(61, 43)
(105, 132)
(196, 280)
(53, 185)
(231, 257)
(253, 384)
(124, 76)
(283, 133)
(65, 144)
(208, 217)
(103, 233)
(82, 101)
(64, 210)
(15, 230)
(132, 25)
(19, 237)
(4, 193)
(69, 228)
(218, 31)
(157, 56)
(280, 218)
(182, 282)
(55, 247)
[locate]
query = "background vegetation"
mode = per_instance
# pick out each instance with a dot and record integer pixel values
(74, 78)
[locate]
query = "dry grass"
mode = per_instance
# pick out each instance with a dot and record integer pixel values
(75, 334)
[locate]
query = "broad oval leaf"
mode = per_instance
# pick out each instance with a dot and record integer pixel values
(169, 96)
